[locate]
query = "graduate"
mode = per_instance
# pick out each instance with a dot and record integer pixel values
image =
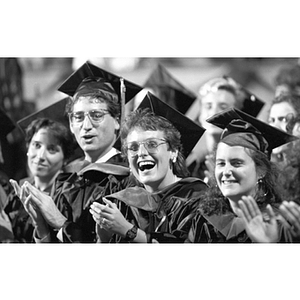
(243, 200)
(155, 139)
(94, 115)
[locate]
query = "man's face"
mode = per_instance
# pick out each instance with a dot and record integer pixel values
(212, 103)
(94, 138)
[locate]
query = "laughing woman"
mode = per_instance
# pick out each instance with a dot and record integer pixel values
(243, 204)
(159, 208)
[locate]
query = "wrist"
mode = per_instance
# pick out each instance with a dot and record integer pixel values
(131, 233)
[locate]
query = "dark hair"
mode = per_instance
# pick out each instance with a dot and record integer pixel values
(113, 105)
(146, 120)
(59, 131)
(269, 191)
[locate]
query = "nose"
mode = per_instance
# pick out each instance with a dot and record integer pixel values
(227, 172)
(87, 122)
(41, 153)
(142, 150)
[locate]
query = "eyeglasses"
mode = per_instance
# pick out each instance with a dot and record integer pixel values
(96, 116)
(150, 145)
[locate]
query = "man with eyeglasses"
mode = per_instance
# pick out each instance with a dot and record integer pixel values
(94, 113)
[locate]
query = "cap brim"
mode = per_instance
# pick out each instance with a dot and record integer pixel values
(252, 105)
(70, 85)
(273, 135)
(189, 130)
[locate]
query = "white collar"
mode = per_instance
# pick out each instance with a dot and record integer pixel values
(112, 152)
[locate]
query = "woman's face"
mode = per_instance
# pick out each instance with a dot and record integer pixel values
(151, 167)
(235, 172)
(45, 156)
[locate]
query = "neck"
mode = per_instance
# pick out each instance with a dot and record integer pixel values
(43, 183)
(163, 184)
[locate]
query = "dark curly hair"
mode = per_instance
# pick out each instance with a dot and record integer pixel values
(59, 131)
(213, 201)
(145, 119)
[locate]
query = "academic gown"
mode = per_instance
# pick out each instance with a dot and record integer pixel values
(21, 222)
(75, 192)
(166, 215)
(224, 228)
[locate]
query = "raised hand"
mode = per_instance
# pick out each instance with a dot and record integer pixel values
(259, 230)
(291, 213)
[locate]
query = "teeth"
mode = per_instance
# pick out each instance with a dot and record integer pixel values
(146, 165)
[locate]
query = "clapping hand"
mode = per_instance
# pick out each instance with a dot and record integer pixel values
(257, 229)
(291, 213)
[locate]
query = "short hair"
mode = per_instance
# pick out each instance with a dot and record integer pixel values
(113, 104)
(223, 83)
(145, 119)
(59, 131)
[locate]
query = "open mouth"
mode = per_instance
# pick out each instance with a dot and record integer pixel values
(226, 182)
(146, 165)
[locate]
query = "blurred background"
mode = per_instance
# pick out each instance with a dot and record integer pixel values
(28, 84)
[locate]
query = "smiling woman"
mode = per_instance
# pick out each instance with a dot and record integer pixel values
(161, 206)
(49, 145)
(243, 204)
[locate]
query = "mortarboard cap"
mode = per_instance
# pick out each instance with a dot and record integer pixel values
(250, 104)
(243, 127)
(55, 112)
(170, 90)
(6, 123)
(88, 70)
(189, 130)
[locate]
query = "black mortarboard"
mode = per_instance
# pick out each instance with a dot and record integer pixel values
(251, 104)
(243, 127)
(55, 111)
(170, 90)
(189, 130)
(88, 70)
(6, 124)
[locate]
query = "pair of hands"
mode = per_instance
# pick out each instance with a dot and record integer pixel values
(39, 206)
(109, 220)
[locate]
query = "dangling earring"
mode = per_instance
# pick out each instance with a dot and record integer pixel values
(262, 186)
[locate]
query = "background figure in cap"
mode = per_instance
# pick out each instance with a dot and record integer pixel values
(49, 146)
(160, 207)
(241, 205)
(215, 96)
(94, 114)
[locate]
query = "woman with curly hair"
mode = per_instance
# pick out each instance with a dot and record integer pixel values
(242, 204)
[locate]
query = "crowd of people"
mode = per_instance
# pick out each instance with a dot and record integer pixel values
(157, 173)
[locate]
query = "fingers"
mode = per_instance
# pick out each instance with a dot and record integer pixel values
(251, 205)
(291, 212)
(109, 203)
(16, 187)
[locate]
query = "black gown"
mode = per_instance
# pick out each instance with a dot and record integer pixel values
(165, 216)
(76, 191)
(224, 228)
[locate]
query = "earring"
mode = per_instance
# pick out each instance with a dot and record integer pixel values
(174, 159)
(262, 185)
